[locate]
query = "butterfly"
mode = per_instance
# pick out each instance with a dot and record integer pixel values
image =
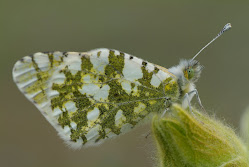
(89, 97)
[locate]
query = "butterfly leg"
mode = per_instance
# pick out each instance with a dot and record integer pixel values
(198, 99)
(164, 112)
(186, 101)
(188, 97)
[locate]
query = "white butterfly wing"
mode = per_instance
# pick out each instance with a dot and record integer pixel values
(90, 97)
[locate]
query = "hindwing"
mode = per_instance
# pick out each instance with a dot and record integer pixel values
(89, 97)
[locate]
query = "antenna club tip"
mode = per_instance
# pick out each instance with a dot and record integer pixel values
(227, 26)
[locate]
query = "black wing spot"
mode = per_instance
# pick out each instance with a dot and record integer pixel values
(156, 69)
(65, 53)
(122, 54)
(131, 57)
(144, 63)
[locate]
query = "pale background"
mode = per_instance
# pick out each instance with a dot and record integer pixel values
(161, 32)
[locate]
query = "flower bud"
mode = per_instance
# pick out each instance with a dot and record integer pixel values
(196, 140)
(244, 126)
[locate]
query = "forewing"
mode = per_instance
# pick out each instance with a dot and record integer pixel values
(90, 97)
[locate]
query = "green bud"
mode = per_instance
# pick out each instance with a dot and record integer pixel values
(185, 139)
(244, 126)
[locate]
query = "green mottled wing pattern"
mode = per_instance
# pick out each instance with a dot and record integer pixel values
(89, 97)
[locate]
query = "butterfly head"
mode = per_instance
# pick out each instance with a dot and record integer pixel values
(188, 71)
(191, 70)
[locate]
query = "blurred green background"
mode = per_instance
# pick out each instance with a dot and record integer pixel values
(161, 32)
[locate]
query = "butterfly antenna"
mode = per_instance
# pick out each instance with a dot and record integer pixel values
(225, 28)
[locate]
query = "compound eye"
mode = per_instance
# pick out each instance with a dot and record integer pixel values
(190, 73)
